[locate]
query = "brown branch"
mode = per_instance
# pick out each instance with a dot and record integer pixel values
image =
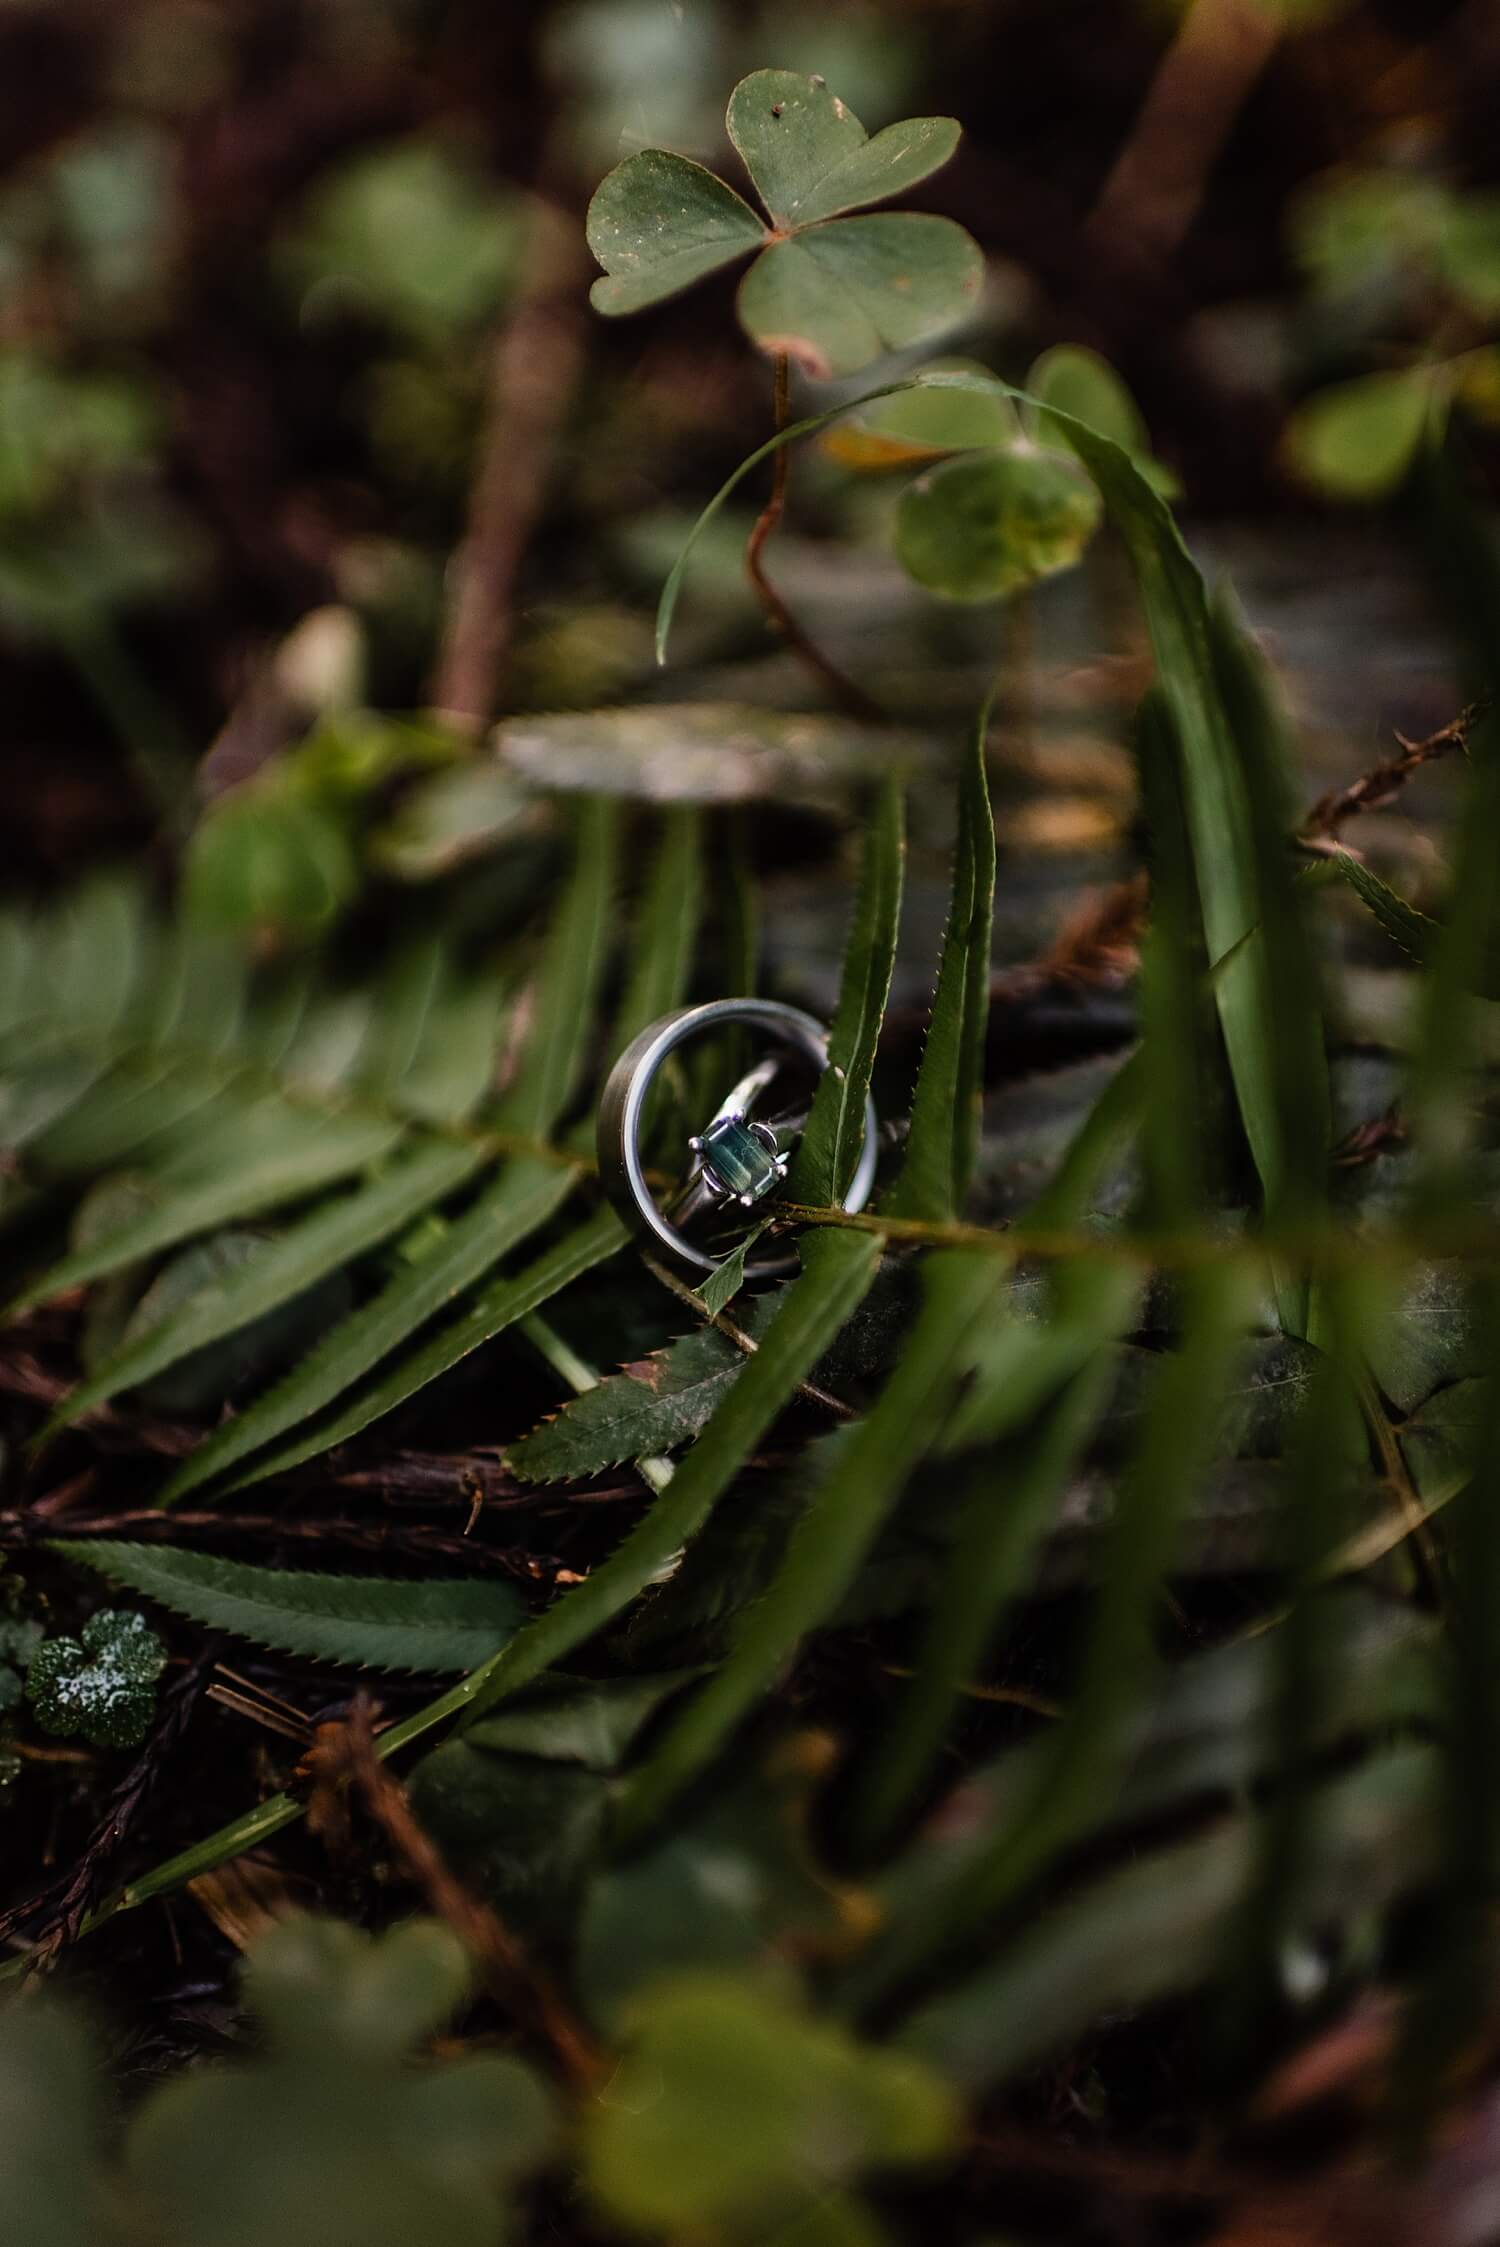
(842, 690)
(1384, 782)
(538, 358)
(344, 1760)
(1203, 82)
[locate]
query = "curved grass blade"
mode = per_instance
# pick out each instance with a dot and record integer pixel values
(517, 1204)
(945, 1109)
(667, 932)
(577, 946)
(501, 1303)
(278, 1156)
(322, 1242)
(373, 1622)
(1156, 1926)
(832, 1538)
(829, 1148)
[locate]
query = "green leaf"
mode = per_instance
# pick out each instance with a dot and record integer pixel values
(267, 862)
(577, 948)
(985, 525)
(839, 295)
(829, 1148)
(500, 1304)
(1438, 1440)
(923, 424)
(734, 2113)
(809, 156)
(101, 1684)
(838, 1268)
(1356, 440)
(667, 930)
(945, 1110)
(1415, 933)
(271, 1154)
(1469, 253)
(50, 2082)
(1159, 1924)
(724, 1282)
(657, 224)
(320, 1243)
(642, 1412)
(833, 1537)
(375, 1622)
(334, 2113)
(516, 1205)
(1084, 386)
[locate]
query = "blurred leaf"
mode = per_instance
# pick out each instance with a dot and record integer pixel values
(946, 1105)
(1469, 252)
(919, 425)
(452, 817)
(838, 296)
(374, 1622)
(809, 157)
(1438, 1439)
(264, 862)
(212, 1372)
(1356, 440)
(733, 1887)
(520, 1201)
(282, 1271)
(828, 1151)
(1084, 386)
(407, 234)
(335, 2117)
(832, 1538)
(1424, 1337)
(55, 2193)
(704, 753)
(519, 1801)
(1158, 1925)
(987, 524)
(58, 428)
(734, 2111)
(498, 1305)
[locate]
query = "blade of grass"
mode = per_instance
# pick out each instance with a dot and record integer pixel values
(945, 1109)
(831, 1538)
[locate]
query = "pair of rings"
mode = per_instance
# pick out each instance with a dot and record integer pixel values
(738, 1159)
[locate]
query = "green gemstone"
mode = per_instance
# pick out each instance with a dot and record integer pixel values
(737, 1161)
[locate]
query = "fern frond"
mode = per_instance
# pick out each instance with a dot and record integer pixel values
(371, 1622)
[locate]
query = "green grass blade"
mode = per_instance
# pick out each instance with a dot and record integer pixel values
(667, 931)
(832, 1538)
(283, 1155)
(829, 1149)
(567, 986)
(945, 1109)
(838, 1268)
(501, 1303)
(421, 1624)
(320, 1243)
(520, 1200)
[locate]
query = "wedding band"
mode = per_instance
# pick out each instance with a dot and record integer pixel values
(737, 1159)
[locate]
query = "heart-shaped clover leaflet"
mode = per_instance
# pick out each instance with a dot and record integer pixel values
(828, 291)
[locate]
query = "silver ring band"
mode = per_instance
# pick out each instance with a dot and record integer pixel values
(623, 1102)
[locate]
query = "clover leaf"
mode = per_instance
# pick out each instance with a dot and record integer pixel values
(102, 1685)
(338, 2130)
(828, 291)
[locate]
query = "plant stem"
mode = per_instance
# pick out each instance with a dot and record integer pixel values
(841, 689)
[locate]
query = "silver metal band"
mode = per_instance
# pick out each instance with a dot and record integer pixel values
(623, 1103)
